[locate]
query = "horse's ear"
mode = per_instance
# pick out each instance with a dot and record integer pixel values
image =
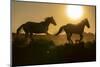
(86, 19)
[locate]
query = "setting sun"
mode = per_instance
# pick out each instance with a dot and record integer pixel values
(74, 11)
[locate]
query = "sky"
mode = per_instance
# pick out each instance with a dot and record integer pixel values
(37, 12)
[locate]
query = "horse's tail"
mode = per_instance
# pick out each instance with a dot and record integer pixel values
(60, 30)
(18, 30)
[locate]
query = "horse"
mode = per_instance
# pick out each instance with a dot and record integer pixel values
(74, 29)
(36, 27)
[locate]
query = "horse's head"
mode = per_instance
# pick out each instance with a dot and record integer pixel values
(51, 20)
(86, 22)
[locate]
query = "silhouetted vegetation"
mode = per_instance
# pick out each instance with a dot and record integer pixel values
(26, 51)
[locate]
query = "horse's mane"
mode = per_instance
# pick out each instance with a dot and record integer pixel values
(45, 20)
(82, 21)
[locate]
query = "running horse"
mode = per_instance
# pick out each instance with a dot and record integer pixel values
(74, 29)
(36, 27)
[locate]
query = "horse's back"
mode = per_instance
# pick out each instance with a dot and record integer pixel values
(72, 28)
(31, 23)
(34, 27)
(69, 26)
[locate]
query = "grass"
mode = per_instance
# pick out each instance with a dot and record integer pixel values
(42, 50)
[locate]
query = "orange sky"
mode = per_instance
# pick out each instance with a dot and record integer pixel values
(30, 11)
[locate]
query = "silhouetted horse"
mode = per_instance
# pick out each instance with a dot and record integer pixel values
(74, 28)
(34, 27)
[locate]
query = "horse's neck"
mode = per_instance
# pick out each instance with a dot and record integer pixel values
(46, 23)
(81, 25)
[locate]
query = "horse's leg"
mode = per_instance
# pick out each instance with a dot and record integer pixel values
(31, 34)
(26, 34)
(48, 33)
(69, 37)
(81, 37)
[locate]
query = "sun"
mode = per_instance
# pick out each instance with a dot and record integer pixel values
(74, 11)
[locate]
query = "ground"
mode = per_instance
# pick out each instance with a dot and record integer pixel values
(42, 50)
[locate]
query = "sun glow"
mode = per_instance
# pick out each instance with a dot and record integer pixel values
(74, 11)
